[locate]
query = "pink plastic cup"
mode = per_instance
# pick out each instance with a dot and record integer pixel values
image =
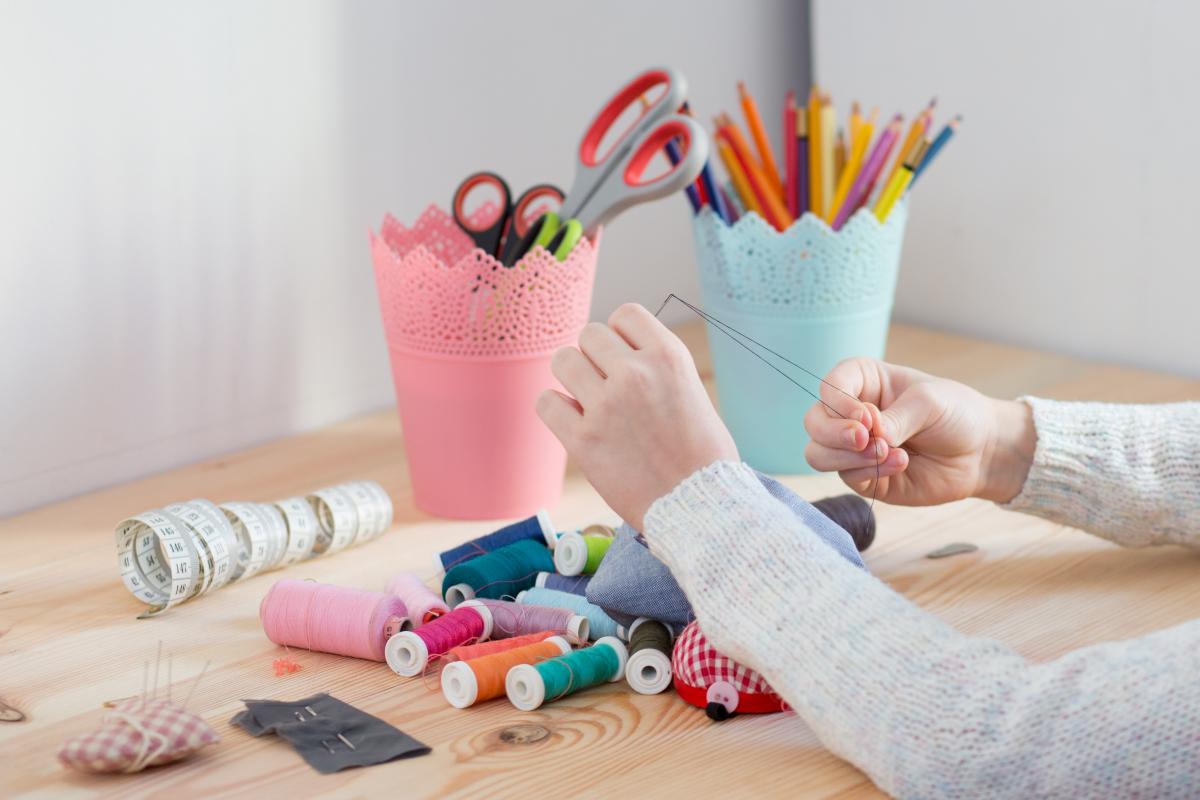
(470, 344)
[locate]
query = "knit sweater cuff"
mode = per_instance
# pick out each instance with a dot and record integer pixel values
(1064, 461)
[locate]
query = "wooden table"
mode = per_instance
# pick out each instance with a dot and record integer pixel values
(69, 640)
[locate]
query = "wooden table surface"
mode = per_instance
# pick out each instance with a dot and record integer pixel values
(69, 640)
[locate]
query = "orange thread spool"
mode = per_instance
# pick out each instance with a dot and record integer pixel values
(469, 652)
(465, 683)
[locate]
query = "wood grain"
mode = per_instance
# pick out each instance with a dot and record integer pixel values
(69, 640)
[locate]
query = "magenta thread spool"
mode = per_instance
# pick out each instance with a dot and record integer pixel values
(409, 652)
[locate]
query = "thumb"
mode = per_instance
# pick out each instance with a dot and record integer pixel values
(912, 412)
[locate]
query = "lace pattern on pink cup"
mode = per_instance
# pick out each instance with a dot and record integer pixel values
(441, 295)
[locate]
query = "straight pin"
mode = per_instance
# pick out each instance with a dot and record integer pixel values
(347, 741)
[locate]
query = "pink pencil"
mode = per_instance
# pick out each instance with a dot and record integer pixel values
(869, 172)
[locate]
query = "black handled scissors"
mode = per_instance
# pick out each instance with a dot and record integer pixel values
(500, 234)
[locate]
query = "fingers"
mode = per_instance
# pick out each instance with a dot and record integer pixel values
(918, 407)
(639, 327)
(831, 459)
(603, 346)
(848, 387)
(860, 479)
(560, 414)
(576, 373)
(832, 431)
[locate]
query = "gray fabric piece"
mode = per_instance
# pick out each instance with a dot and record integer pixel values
(315, 736)
(632, 583)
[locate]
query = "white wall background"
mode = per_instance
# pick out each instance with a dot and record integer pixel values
(185, 190)
(1063, 213)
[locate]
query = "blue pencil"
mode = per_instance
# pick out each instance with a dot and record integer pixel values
(943, 136)
(675, 156)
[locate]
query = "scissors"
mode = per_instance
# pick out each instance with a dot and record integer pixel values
(606, 185)
(500, 235)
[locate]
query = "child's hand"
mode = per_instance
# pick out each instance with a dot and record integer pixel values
(938, 439)
(639, 420)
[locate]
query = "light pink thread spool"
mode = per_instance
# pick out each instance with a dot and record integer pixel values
(470, 344)
(422, 603)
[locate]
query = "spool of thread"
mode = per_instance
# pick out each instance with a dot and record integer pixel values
(422, 603)
(580, 554)
(528, 686)
(466, 652)
(331, 619)
(493, 575)
(600, 624)
(574, 584)
(648, 670)
(853, 514)
(538, 527)
(517, 619)
(408, 653)
(465, 683)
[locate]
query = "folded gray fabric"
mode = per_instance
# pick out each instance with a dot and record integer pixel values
(327, 733)
(632, 583)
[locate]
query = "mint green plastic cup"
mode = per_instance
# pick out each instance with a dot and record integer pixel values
(813, 296)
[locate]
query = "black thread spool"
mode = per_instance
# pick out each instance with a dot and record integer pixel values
(853, 514)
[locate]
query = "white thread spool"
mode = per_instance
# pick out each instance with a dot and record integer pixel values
(461, 687)
(570, 554)
(527, 691)
(407, 654)
(459, 593)
(648, 671)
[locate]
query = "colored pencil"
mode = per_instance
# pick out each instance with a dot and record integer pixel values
(938, 143)
(803, 181)
(828, 125)
(709, 189)
(815, 191)
(761, 142)
(730, 198)
(869, 173)
(770, 203)
(675, 155)
(839, 163)
(789, 153)
(858, 153)
(741, 184)
(916, 131)
(855, 121)
(900, 181)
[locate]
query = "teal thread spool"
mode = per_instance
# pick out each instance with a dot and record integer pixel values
(600, 624)
(580, 553)
(500, 573)
(528, 686)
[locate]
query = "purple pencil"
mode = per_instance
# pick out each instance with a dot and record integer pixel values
(870, 172)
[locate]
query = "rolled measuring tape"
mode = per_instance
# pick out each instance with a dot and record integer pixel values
(169, 555)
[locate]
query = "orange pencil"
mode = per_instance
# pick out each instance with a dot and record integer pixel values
(839, 157)
(919, 127)
(761, 142)
(771, 203)
(814, 152)
(740, 183)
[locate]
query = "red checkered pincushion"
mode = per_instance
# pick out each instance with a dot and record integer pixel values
(136, 735)
(704, 677)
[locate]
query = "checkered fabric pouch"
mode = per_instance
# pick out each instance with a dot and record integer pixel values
(136, 735)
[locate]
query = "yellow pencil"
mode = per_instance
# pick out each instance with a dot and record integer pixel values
(741, 184)
(919, 127)
(828, 125)
(899, 182)
(839, 156)
(861, 139)
(814, 152)
(855, 121)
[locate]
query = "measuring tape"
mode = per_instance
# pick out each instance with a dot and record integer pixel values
(184, 550)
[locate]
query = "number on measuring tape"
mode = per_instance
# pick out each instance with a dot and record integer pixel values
(188, 549)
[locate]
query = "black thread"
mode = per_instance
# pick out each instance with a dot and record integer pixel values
(732, 333)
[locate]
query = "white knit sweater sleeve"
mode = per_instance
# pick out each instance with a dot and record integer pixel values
(922, 709)
(1129, 473)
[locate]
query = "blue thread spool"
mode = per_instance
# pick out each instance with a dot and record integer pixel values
(600, 624)
(537, 527)
(808, 293)
(498, 574)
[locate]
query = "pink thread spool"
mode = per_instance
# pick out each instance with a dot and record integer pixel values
(409, 652)
(422, 603)
(470, 344)
(331, 619)
(520, 619)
